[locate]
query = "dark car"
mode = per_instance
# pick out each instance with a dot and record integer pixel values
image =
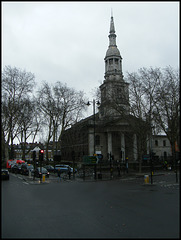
(39, 171)
(4, 174)
(25, 168)
(49, 168)
(16, 168)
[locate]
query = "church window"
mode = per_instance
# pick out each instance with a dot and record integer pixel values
(116, 61)
(111, 61)
(97, 140)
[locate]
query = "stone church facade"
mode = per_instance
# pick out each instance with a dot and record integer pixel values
(109, 132)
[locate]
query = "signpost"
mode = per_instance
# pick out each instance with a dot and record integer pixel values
(35, 153)
(90, 159)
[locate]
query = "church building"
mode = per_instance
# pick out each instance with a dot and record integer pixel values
(111, 131)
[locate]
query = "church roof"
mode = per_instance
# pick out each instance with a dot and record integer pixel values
(112, 50)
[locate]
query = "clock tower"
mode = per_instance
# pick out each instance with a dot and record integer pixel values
(114, 90)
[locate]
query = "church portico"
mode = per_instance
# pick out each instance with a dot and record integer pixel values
(118, 142)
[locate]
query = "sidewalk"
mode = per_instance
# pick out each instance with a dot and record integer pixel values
(106, 176)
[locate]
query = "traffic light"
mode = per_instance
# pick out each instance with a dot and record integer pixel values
(41, 155)
(34, 155)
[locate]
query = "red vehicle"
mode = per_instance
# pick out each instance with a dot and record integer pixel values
(10, 162)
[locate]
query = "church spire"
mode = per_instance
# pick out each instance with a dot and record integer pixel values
(112, 35)
(112, 29)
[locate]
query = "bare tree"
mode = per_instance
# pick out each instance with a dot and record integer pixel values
(16, 85)
(46, 103)
(154, 97)
(72, 104)
(28, 123)
(61, 106)
(167, 105)
(138, 110)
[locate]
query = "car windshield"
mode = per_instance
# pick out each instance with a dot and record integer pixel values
(44, 170)
(49, 166)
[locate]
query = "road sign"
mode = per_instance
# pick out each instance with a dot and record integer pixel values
(90, 159)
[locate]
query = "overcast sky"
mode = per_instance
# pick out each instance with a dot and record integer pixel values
(67, 41)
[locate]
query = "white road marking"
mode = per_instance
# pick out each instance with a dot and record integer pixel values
(26, 183)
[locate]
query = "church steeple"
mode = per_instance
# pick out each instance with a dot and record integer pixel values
(113, 59)
(112, 29)
(114, 89)
(112, 36)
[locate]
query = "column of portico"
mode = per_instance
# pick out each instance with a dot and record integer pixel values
(123, 147)
(135, 148)
(109, 142)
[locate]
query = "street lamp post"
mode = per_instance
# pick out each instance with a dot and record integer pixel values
(55, 125)
(88, 104)
(151, 155)
(94, 115)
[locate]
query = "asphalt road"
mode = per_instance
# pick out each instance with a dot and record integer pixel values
(102, 209)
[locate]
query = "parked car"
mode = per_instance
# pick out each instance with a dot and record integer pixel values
(25, 168)
(16, 168)
(4, 174)
(62, 168)
(39, 171)
(49, 168)
(71, 169)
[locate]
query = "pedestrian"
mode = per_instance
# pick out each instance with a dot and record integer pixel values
(127, 164)
(118, 168)
(165, 164)
(69, 172)
(111, 171)
(58, 172)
